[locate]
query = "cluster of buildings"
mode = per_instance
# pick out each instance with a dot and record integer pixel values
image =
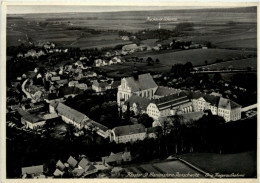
(142, 95)
(104, 62)
(81, 167)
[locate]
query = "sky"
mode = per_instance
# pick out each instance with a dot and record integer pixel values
(25, 9)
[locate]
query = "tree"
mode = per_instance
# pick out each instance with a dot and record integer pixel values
(146, 120)
(206, 62)
(157, 60)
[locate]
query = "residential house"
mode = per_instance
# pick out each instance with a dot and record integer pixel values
(98, 63)
(90, 169)
(62, 82)
(73, 83)
(55, 78)
(60, 165)
(58, 173)
(116, 159)
(128, 133)
(100, 87)
(72, 162)
(83, 163)
(82, 86)
(52, 107)
(91, 74)
(79, 64)
(71, 116)
(33, 107)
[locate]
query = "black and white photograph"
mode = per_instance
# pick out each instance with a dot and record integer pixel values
(130, 91)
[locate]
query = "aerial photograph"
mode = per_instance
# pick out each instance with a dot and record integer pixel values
(131, 92)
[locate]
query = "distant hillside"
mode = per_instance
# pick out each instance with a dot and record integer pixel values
(169, 12)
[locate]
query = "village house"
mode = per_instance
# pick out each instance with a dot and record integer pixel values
(58, 173)
(100, 129)
(55, 78)
(116, 158)
(73, 83)
(60, 165)
(98, 63)
(82, 86)
(100, 87)
(128, 133)
(90, 74)
(62, 82)
(72, 162)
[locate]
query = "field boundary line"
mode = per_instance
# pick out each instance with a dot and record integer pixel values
(194, 167)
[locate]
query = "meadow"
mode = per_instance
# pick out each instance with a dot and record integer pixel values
(72, 29)
(235, 64)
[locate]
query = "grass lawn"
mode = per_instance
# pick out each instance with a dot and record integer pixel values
(241, 163)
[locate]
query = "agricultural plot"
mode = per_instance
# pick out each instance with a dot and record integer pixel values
(199, 56)
(236, 64)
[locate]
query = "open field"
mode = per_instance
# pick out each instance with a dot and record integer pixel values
(67, 29)
(236, 64)
(199, 56)
(125, 69)
(241, 163)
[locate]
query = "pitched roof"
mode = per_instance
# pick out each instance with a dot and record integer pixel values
(29, 117)
(60, 165)
(57, 173)
(213, 100)
(113, 157)
(63, 81)
(171, 100)
(141, 102)
(90, 167)
(154, 129)
(78, 171)
(70, 113)
(143, 82)
(163, 91)
(101, 84)
(32, 169)
(54, 103)
(115, 84)
(72, 162)
(98, 125)
(227, 104)
(83, 163)
(129, 129)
